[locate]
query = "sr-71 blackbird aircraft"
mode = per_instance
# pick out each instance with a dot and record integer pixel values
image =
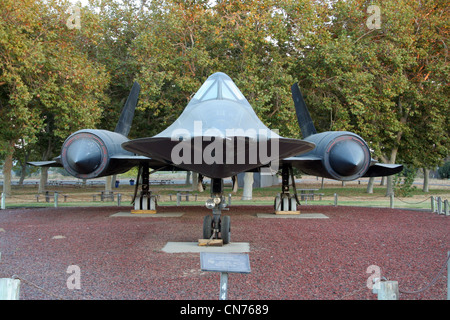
(218, 135)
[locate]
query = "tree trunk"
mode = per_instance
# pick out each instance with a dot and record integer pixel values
(194, 180)
(44, 170)
(108, 184)
(23, 163)
(370, 185)
(389, 179)
(389, 186)
(403, 118)
(235, 184)
(7, 170)
(426, 180)
(248, 186)
(43, 180)
(113, 181)
(23, 173)
(188, 178)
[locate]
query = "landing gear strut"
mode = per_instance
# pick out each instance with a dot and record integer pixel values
(215, 226)
(145, 202)
(285, 201)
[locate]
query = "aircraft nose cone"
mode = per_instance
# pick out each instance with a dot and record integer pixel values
(84, 156)
(347, 157)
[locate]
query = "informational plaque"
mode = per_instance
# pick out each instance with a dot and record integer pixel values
(225, 262)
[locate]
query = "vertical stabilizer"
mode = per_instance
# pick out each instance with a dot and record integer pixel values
(126, 118)
(303, 117)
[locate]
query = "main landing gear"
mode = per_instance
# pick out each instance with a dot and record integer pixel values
(215, 226)
(286, 202)
(145, 202)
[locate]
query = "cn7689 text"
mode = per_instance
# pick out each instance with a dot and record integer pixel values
(246, 309)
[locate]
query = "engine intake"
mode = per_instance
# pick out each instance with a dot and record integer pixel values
(343, 155)
(87, 154)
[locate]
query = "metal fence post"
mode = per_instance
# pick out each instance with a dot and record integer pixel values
(448, 275)
(388, 290)
(446, 208)
(3, 201)
(439, 205)
(56, 199)
(335, 199)
(9, 289)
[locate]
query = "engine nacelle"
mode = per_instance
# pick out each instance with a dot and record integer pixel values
(343, 156)
(89, 153)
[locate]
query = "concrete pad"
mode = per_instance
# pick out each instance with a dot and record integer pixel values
(148, 215)
(292, 216)
(193, 247)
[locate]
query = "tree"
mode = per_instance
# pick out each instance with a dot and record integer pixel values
(171, 56)
(186, 41)
(117, 24)
(371, 81)
(250, 46)
(46, 79)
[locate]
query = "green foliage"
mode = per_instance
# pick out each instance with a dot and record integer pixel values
(389, 85)
(403, 182)
(380, 83)
(444, 171)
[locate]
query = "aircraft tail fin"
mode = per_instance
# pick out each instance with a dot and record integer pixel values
(126, 117)
(303, 117)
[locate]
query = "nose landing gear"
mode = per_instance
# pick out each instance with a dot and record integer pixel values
(216, 226)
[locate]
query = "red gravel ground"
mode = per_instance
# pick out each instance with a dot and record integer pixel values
(291, 259)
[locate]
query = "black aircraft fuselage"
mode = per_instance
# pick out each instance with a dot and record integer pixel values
(219, 135)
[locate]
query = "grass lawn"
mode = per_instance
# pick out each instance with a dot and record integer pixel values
(351, 194)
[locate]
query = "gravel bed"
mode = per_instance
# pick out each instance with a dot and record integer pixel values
(291, 259)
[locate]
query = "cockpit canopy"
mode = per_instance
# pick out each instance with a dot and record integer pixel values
(218, 108)
(218, 87)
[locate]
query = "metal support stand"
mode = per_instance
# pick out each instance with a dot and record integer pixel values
(224, 263)
(223, 286)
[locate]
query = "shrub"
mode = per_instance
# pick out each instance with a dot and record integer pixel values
(403, 182)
